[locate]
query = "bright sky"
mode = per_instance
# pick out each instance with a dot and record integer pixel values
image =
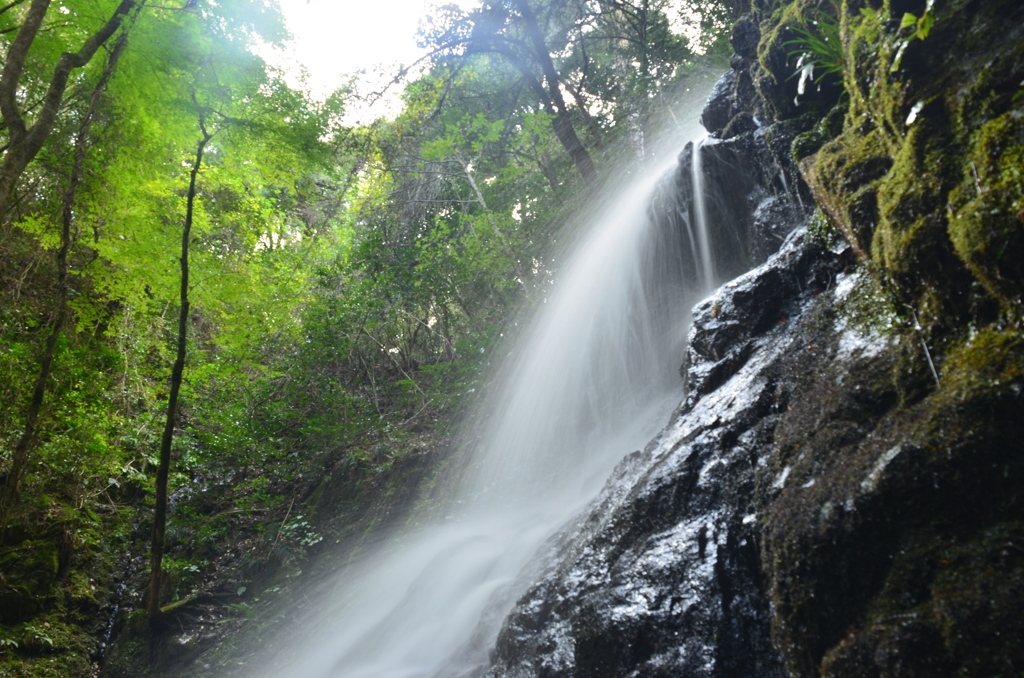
(338, 37)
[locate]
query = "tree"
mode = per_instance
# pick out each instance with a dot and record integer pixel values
(255, 133)
(58, 317)
(623, 54)
(512, 30)
(25, 140)
(181, 350)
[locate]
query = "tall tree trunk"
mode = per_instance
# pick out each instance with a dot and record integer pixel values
(562, 124)
(163, 470)
(24, 142)
(645, 58)
(588, 119)
(28, 436)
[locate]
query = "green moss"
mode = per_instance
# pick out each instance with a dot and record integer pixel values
(129, 656)
(844, 177)
(29, 571)
(49, 646)
(179, 604)
(821, 231)
(910, 244)
(54, 577)
(780, 136)
(988, 365)
(987, 226)
(925, 179)
(826, 129)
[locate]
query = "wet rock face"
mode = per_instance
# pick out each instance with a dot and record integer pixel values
(734, 101)
(878, 514)
(731, 194)
(721, 106)
(797, 516)
(662, 576)
(751, 202)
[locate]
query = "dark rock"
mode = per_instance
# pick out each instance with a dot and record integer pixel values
(721, 105)
(745, 36)
(874, 536)
(741, 123)
(744, 189)
(661, 576)
(772, 221)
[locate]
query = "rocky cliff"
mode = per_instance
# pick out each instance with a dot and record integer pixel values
(840, 494)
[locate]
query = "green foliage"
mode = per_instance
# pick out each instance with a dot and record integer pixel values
(921, 26)
(301, 532)
(244, 608)
(819, 48)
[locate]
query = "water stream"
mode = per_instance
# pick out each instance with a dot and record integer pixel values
(699, 237)
(593, 376)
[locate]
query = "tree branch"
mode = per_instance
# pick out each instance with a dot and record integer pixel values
(25, 142)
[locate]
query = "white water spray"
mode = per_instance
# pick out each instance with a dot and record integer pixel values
(593, 377)
(704, 257)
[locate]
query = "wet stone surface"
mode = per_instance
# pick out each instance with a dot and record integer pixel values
(661, 576)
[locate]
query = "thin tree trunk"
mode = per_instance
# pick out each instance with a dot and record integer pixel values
(59, 316)
(588, 119)
(498, 233)
(163, 470)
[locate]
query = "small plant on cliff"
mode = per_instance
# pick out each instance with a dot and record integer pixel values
(818, 49)
(822, 232)
(921, 26)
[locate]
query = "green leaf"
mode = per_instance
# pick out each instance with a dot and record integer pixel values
(924, 25)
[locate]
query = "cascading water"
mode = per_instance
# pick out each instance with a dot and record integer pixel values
(593, 376)
(699, 237)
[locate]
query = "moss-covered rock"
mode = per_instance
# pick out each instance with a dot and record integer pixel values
(987, 208)
(897, 552)
(844, 178)
(924, 178)
(28, 572)
(777, 57)
(129, 656)
(827, 128)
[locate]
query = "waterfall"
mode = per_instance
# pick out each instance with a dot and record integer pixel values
(593, 375)
(703, 259)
